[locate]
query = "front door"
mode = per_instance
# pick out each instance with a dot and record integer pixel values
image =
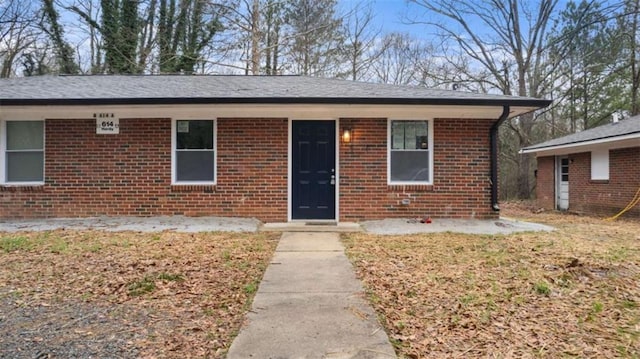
(313, 170)
(562, 183)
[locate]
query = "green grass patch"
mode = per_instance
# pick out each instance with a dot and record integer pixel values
(17, 243)
(542, 288)
(251, 288)
(170, 277)
(141, 287)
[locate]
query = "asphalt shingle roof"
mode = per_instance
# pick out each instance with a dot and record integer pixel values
(150, 89)
(616, 129)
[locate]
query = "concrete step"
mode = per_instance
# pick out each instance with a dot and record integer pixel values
(341, 227)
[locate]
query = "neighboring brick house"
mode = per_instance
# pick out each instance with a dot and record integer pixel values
(280, 148)
(596, 171)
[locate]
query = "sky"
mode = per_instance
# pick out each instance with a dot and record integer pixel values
(389, 15)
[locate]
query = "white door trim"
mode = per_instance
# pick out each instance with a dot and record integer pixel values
(290, 168)
(560, 185)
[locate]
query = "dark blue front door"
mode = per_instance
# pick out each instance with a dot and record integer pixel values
(313, 170)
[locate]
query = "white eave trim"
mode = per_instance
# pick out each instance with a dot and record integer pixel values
(630, 140)
(297, 111)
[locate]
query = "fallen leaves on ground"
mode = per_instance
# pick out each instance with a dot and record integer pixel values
(186, 294)
(574, 292)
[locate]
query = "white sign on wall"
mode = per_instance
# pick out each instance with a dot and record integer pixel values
(107, 123)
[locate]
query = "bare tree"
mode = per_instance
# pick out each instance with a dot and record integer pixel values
(18, 31)
(315, 30)
(399, 62)
(509, 56)
(359, 48)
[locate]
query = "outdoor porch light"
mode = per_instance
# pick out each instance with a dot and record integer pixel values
(347, 133)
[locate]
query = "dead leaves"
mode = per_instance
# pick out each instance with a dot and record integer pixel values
(191, 286)
(572, 292)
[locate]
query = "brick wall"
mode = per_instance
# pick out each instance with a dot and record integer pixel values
(605, 197)
(461, 187)
(545, 182)
(601, 198)
(130, 173)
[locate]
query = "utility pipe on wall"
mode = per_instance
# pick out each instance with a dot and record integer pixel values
(493, 136)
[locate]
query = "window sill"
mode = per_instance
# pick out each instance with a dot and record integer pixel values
(599, 181)
(410, 187)
(22, 187)
(190, 188)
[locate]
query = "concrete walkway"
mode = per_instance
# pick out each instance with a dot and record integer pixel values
(310, 305)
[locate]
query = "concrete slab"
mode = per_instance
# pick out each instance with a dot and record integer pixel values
(138, 224)
(316, 242)
(471, 226)
(310, 272)
(311, 305)
(319, 325)
(341, 227)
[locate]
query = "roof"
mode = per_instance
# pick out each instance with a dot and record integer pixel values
(205, 89)
(623, 130)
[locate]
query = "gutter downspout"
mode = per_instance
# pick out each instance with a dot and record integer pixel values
(493, 137)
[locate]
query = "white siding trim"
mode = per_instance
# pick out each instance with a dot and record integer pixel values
(431, 150)
(290, 167)
(3, 154)
(174, 182)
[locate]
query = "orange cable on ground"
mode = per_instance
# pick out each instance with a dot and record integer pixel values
(634, 201)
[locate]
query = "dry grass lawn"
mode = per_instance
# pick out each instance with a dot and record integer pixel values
(78, 294)
(574, 292)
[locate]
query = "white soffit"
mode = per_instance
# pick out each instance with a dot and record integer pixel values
(298, 111)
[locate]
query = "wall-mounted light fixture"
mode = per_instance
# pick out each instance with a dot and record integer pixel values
(347, 135)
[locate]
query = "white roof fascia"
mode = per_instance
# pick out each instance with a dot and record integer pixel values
(300, 111)
(630, 140)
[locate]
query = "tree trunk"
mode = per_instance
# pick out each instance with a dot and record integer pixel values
(255, 38)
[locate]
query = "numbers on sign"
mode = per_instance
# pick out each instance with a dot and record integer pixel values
(107, 124)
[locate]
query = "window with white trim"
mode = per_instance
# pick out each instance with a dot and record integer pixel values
(600, 165)
(410, 152)
(23, 152)
(194, 154)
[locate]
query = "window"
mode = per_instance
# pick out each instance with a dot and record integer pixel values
(600, 165)
(410, 156)
(194, 155)
(23, 152)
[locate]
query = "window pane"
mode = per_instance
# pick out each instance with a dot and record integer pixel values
(194, 134)
(410, 166)
(194, 166)
(409, 135)
(25, 166)
(397, 135)
(25, 135)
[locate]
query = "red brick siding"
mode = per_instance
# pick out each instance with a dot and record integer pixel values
(461, 187)
(545, 182)
(605, 197)
(130, 173)
(600, 198)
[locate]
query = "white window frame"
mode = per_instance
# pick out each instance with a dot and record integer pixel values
(600, 165)
(3, 154)
(430, 150)
(174, 136)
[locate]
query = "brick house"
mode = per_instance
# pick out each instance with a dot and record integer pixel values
(596, 171)
(279, 148)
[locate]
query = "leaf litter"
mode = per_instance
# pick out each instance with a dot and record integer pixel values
(573, 292)
(126, 294)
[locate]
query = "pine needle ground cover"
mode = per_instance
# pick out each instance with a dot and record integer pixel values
(574, 292)
(99, 294)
